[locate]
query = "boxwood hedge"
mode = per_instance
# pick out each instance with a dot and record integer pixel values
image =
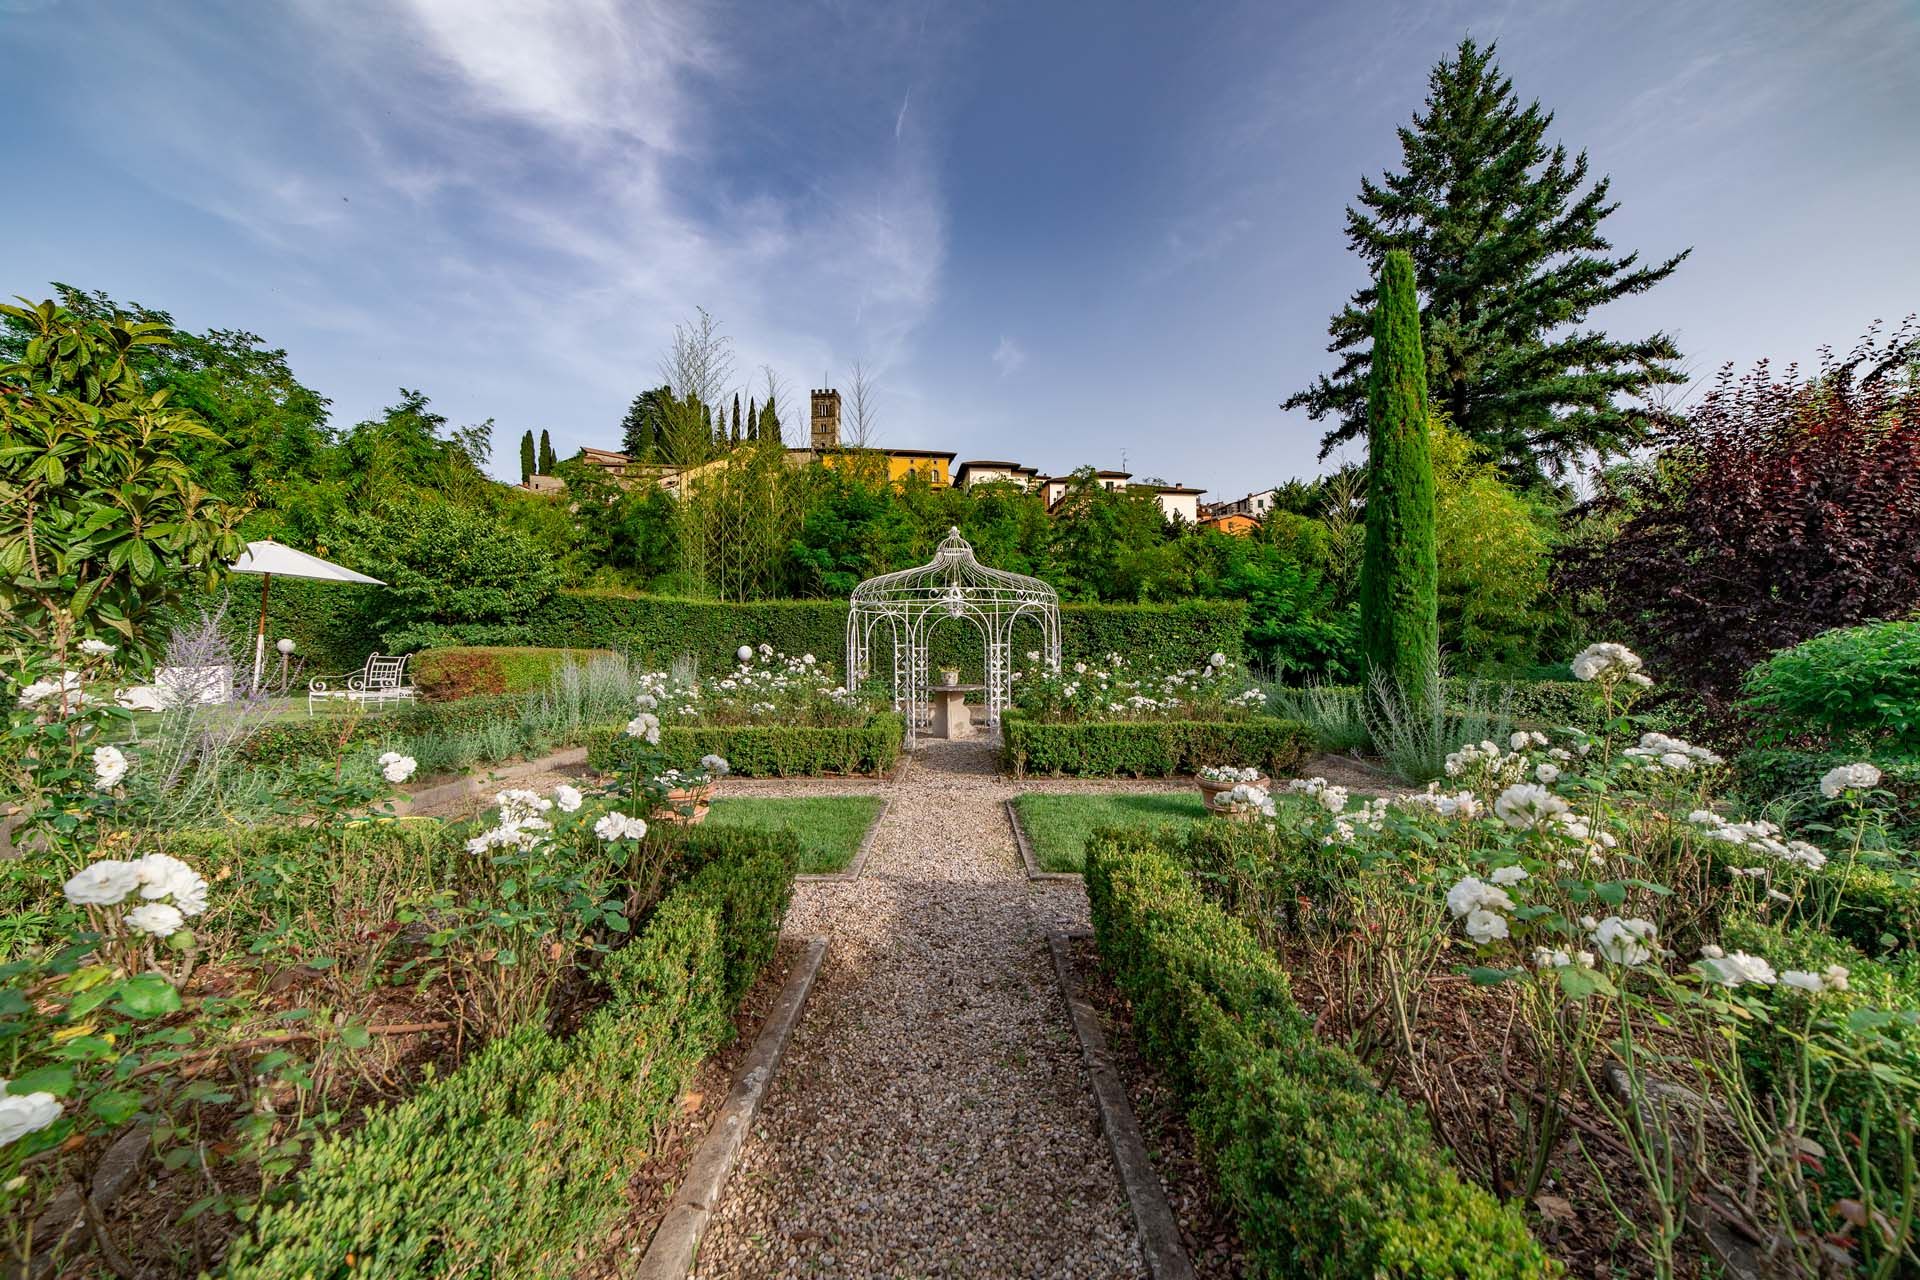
(770, 751)
(1150, 748)
(1326, 1175)
(661, 628)
(522, 1155)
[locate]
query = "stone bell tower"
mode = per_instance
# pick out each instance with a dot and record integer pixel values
(826, 421)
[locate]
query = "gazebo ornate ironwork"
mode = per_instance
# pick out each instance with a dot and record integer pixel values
(905, 607)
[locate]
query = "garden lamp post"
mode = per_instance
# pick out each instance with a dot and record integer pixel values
(268, 558)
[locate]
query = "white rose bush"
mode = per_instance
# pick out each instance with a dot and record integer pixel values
(102, 1025)
(1636, 944)
(1116, 689)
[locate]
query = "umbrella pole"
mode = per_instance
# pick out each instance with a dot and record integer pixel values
(260, 637)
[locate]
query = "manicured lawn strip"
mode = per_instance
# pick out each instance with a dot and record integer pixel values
(1328, 1175)
(1057, 827)
(830, 828)
(513, 1163)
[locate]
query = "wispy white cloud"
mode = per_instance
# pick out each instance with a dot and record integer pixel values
(1009, 356)
(559, 179)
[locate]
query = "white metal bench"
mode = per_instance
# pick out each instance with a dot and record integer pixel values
(381, 681)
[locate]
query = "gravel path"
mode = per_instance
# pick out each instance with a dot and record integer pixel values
(932, 1117)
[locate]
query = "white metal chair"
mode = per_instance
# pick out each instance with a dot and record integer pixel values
(382, 680)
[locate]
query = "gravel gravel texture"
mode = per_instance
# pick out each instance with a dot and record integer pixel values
(932, 1117)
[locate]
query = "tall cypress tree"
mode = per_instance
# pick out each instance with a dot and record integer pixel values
(546, 453)
(753, 420)
(526, 456)
(770, 422)
(736, 417)
(1399, 575)
(1511, 260)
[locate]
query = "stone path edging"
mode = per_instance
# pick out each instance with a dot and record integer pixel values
(1026, 851)
(1159, 1230)
(676, 1242)
(853, 868)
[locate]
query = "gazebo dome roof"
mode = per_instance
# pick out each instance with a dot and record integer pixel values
(954, 567)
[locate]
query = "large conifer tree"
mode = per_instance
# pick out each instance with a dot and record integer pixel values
(642, 435)
(527, 466)
(546, 453)
(1505, 236)
(1399, 573)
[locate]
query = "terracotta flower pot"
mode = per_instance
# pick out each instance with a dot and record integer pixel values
(686, 804)
(1209, 788)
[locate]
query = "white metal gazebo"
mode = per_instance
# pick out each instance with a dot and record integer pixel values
(903, 608)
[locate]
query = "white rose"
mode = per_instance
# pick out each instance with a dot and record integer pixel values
(646, 726)
(1737, 968)
(1624, 941)
(744, 653)
(102, 884)
(1472, 895)
(1849, 777)
(164, 876)
(109, 766)
(399, 769)
(25, 1113)
(1508, 875)
(156, 918)
(1484, 926)
(95, 648)
(1527, 805)
(566, 798)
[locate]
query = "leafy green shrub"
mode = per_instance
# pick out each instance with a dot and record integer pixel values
(769, 751)
(1766, 776)
(1326, 1175)
(443, 675)
(1150, 748)
(443, 564)
(1858, 685)
(525, 1152)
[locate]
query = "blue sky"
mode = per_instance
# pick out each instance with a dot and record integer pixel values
(1058, 233)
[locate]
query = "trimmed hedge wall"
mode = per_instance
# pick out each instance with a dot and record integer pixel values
(770, 751)
(1150, 748)
(462, 671)
(524, 1154)
(660, 628)
(1326, 1175)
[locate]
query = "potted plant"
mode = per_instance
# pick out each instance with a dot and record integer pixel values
(1243, 802)
(690, 793)
(1214, 779)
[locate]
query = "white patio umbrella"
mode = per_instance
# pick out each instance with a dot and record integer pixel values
(268, 558)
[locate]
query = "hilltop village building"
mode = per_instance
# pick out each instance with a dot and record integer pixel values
(936, 466)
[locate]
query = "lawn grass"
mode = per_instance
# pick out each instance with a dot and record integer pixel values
(830, 827)
(1057, 826)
